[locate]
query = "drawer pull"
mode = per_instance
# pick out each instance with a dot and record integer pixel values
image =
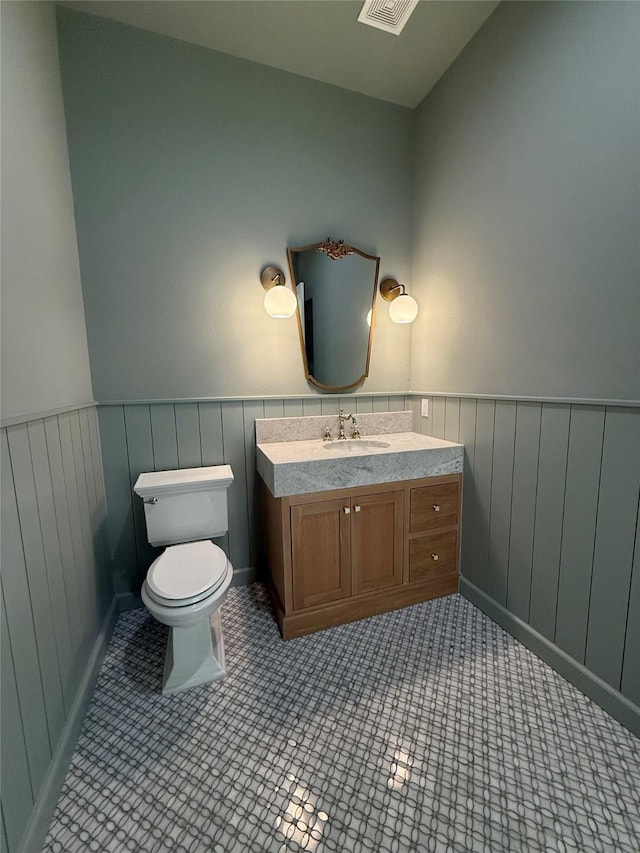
(436, 507)
(435, 557)
(357, 508)
(347, 510)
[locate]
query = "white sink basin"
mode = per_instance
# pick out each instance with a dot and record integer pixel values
(354, 445)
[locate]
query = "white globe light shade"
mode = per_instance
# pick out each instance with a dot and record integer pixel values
(280, 302)
(403, 309)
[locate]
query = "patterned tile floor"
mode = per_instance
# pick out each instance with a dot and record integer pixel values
(426, 729)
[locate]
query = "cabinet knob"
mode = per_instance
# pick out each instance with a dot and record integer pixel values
(436, 507)
(357, 508)
(435, 557)
(347, 510)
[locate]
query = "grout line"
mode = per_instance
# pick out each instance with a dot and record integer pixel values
(46, 571)
(564, 504)
(535, 513)
(595, 539)
(513, 474)
(57, 521)
(636, 545)
(15, 681)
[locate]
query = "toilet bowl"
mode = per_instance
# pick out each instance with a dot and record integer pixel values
(187, 583)
(183, 589)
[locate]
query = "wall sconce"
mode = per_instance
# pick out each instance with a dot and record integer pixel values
(279, 300)
(403, 308)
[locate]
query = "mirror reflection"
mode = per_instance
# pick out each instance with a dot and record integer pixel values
(336, 287)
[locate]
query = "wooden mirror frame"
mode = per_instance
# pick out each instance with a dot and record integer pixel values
(336, 250)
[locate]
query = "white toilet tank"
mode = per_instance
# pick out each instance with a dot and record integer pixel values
(186, 505)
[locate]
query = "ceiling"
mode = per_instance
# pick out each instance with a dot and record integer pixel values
(321, 39)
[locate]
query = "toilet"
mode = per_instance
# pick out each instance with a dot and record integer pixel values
(187, 583)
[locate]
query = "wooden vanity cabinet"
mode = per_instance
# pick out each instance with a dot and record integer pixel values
(343, 555)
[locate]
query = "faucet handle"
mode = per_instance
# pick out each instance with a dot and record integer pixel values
(326, 433)
(356, 429)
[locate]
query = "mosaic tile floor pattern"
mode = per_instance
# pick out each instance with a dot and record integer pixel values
(426, 729)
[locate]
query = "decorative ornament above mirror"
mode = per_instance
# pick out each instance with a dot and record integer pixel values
(336, 286)
(336, 249)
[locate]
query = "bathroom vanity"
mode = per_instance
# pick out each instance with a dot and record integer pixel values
(357, 527)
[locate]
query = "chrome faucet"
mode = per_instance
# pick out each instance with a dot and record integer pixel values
(343, 418)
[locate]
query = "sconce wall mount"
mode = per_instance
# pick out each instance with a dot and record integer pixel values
(403, 308)
(279, 300)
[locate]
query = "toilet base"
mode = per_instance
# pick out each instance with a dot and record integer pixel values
(194, 656)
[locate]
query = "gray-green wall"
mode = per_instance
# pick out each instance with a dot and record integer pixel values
(45, 362)
(192, 170)
(526, 265)
(526, 257)
(525, 215)
(57, 590)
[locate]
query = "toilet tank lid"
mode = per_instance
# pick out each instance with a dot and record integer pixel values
(186, 480)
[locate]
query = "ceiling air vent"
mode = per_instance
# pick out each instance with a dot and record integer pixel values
(387, 15)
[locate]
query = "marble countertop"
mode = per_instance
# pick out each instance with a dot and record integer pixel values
(302, 467)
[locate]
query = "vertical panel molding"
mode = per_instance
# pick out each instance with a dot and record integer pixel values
(58, 607)
(156, 436)
(549, 530)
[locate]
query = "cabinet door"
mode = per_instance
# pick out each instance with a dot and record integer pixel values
(376, 541)
(320, 534)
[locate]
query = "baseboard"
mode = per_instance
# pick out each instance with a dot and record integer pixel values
(242, 577)
(591, 685)
(45, 805)
(128, 601)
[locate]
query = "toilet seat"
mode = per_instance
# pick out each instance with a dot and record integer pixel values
(186, 574)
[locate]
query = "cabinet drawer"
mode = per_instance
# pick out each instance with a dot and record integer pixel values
(434, 506)
(433, 556)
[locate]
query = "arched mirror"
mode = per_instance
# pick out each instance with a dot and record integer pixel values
(336, 289)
